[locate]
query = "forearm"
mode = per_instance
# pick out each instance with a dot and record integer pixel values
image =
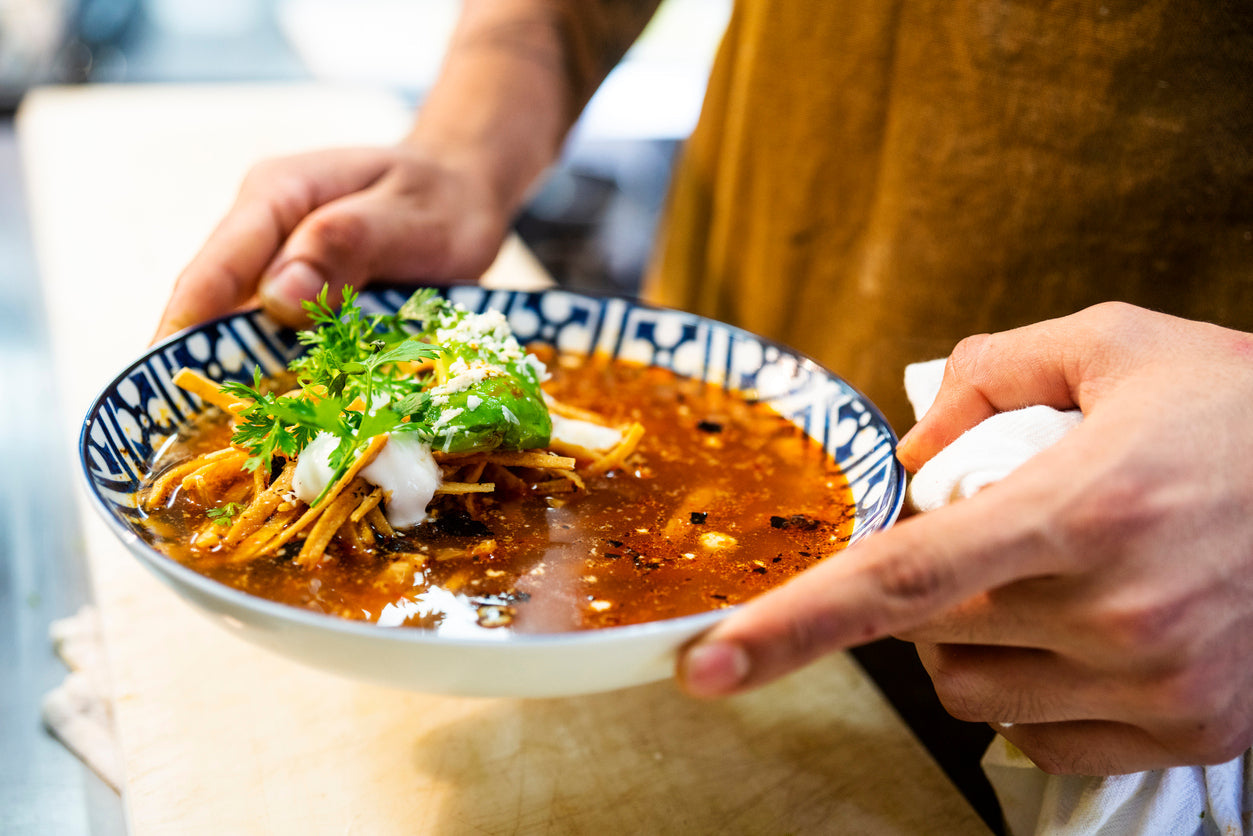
(516, 76)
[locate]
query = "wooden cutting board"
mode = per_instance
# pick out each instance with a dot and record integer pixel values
(220, 737)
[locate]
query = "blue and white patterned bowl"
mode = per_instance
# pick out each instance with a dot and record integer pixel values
(141, 408)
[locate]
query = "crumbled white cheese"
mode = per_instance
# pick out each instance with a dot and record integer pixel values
(473, 402)
(444, 417)
(464, 377)
(537, 367)
(488, 331)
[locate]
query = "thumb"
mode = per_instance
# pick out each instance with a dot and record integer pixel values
(333, 246)
(377, 234)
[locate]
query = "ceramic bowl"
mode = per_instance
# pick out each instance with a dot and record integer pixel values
(141, 407)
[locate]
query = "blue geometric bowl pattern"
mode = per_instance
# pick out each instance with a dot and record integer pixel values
(142, 408)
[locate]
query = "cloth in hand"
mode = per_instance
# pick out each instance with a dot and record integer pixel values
(1201, 800)
(985, 454)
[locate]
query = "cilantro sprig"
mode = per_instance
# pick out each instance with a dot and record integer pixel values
(354, 383)
(348, 387)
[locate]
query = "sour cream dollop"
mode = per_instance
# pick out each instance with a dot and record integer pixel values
(584, 434)
(404, 469)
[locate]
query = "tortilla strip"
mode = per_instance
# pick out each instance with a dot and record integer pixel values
(378, 520)
(465, 487)
(509, 480)
(618, 454)
(367, 456)
(207, 390)
(567, 411)
(572, 476)
(474, 473)
(509, 458)
(348, 536)
(262, 506)
(372, 499)
(161, 488)
(260, 480)
(531, 458)
(216, 475)
(251, 547)
(334, 514)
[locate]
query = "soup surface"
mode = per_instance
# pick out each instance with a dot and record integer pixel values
(721, 500)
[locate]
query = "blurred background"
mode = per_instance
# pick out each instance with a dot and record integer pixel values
(591, 224)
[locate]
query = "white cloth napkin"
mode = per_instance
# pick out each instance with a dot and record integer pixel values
(985, 454)
(79, 711)
(1183, 800)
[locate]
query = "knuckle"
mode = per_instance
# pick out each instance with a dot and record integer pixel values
(261, 174)
(958, 699)
(810, 636)
(1200, 693)
(968, 691)
(960, 707)
(1144, 631)
(968, 362)
(290, 200)
(1048, 759)
(913, 578)
(1061, 752)
(340, 235)
(1105, 315)
(275, 182)
(1112, 517)
(1108, 510)
(264, 177)
(1214, 736)
(973, 700)
(236, 284)
(1137, 327)
(1215, 742)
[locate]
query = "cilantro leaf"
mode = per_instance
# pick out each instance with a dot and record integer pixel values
(224, 515)
(421, 306)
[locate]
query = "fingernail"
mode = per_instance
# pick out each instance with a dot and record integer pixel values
(714, 669)
(283, 292)
(904, 450)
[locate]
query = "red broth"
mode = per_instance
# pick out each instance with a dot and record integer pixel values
(722, 500)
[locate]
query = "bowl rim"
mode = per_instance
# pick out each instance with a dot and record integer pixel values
(168, 569)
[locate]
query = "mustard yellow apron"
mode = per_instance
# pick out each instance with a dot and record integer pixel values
(872, 181)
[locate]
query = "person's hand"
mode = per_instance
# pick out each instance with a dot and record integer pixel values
(435, 208)
(1100, 598)
(341, 217)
